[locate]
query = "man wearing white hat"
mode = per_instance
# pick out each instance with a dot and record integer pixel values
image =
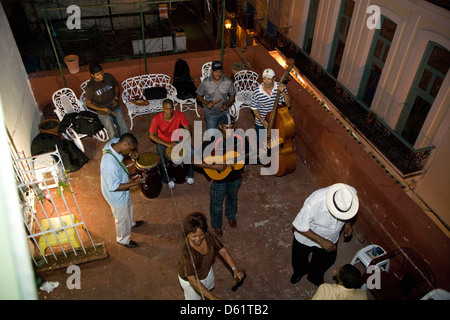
(263, 99)
(317, 228)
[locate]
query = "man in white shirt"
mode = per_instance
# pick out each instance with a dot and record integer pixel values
(317, 228)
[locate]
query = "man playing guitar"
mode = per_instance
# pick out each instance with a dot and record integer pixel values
(226, 178)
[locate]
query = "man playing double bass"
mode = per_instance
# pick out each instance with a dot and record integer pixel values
(264, 97)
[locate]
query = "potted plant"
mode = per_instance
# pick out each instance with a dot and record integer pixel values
(237, 66)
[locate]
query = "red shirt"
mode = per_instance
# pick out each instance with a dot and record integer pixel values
(164, 128)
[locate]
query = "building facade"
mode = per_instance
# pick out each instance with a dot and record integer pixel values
(393, 57)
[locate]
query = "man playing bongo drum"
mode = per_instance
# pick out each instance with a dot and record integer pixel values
(161, 129)
(116, 184)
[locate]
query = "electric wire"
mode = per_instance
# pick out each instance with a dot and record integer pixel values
(180, 220)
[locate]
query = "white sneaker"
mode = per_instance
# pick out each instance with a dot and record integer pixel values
(190, 180)
(171, 184)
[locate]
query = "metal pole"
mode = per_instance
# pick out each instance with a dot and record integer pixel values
(223, 30)
(53, 45)
(119, 4)
(110, 17)
(144, 49)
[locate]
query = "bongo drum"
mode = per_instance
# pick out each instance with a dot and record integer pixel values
(176, 168)
(147, 162)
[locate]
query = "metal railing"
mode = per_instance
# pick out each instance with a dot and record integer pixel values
(141, 13)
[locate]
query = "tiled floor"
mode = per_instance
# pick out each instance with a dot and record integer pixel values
(261, 243)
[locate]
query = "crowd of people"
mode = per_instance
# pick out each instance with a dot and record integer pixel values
(317, 226)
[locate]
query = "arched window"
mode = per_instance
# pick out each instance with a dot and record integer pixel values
(340, 38)
(377, 57)
(429, 78)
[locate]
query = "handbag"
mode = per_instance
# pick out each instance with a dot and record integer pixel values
(155, 93)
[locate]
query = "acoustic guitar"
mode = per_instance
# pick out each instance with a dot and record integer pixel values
(220, 175)
(238, 161)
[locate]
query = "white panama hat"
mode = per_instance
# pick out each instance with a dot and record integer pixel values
(342, 201)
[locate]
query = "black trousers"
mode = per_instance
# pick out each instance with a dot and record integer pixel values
(320, 262)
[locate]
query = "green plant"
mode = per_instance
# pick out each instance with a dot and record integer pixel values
(63, 183)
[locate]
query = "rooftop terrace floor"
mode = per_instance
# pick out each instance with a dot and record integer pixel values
(261, 243)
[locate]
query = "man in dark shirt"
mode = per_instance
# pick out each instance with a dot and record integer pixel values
(225, 178)
(217, 94)
(102, 96)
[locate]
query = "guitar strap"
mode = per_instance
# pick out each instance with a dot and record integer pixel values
(122, 164)
(236, 136)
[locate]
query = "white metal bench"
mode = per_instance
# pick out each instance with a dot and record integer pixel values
(133, 89)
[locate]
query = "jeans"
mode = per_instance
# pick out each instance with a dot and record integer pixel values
(258, 128)
(109, 122)
(211, 123)
(219, 192)
(164, 164)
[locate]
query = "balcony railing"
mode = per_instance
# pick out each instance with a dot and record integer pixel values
(396, 149)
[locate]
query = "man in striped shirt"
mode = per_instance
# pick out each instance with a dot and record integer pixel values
(263, 99)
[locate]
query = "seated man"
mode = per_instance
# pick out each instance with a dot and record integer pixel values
(102, 96)
(161, 129)
(349, 281)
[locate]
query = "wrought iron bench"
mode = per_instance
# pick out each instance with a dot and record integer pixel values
(133, 94)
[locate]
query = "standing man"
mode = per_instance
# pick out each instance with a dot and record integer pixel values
(102, 96)
(263, 99)
(116, 184)
(317, 228)
(217, 94)
(162, 127)
(224, 188)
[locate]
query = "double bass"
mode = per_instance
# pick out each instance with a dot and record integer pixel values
(280, 118)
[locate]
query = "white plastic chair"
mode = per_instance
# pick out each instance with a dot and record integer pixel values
(66, 101)
(206, 70)
(367, 254)
(187, 104)
(245, 82)
(437, 294)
